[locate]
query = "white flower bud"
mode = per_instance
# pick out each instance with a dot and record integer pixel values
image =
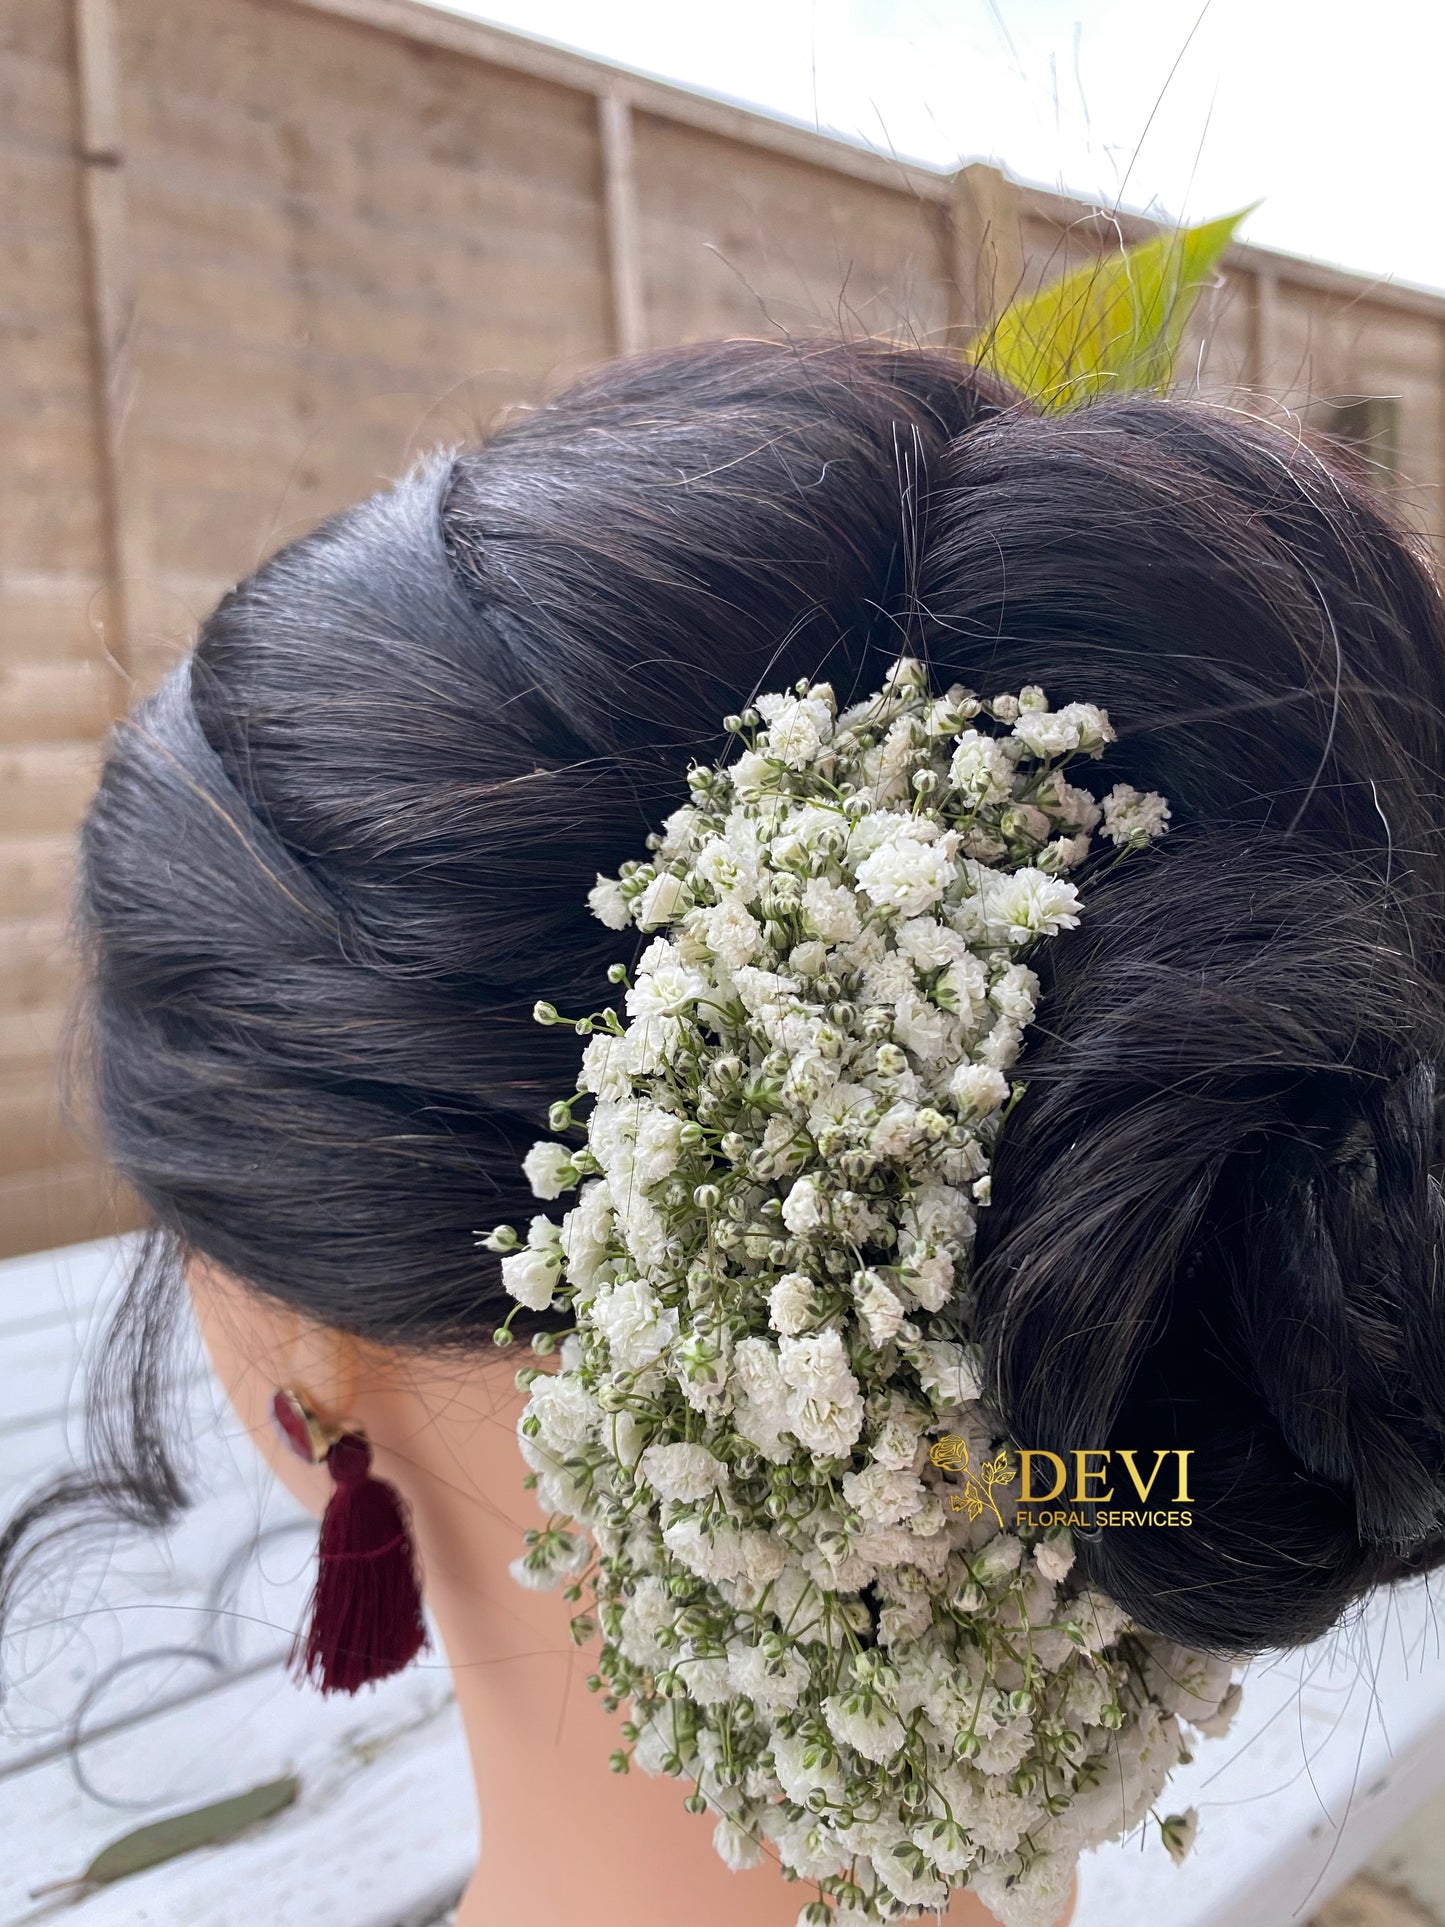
(549, 1170)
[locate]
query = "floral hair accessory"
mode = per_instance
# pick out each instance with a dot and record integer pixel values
(772, 1389)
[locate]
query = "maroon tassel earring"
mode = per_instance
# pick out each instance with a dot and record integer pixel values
(365, 1617)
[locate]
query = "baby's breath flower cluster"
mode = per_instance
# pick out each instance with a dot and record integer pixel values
(787, 1147)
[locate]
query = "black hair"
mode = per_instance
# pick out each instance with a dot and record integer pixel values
(340, 852)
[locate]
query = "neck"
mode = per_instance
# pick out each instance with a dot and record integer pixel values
(564, 1838)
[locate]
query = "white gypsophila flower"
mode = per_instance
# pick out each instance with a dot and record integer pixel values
(1215, 1725)
(884, 1494)
(604, 1067)
(898, 1870)
(983, 845)
(804, 1208)
(978, 1088)
(647, 1613)
(565, 1411)
(1095, 729)
(1015, 993)
(831, 910)
(683, 1471)
(549, 1169)
(999, 1047)
(888, 977)
(928, 944)
(753, 775)
(585, 1234)
(963, 989)
(824, 1425)
(1025, 823)
(771, 1397)
(929, 1277)
(608, 903)
(1189, 1684)
(665, 986)
(896, 1132)
(736, 1847)
(1134, 815)
(792, 1304)
(732, 933)
(546, 1576)
(921, 1027)
(937, 1214)
(729, 867)
(906, 874)
(774, 1682)
(765, 993)
(810, 1076)
(1045, 734)
(880, 1309)
(532, 1274)
(706, 1679)
(1064, 852)
(865, 1723)
(1055, 1557)
(656, 1142)
(644, 1233)
(809, 1848)
(1031, 903)
(650, 1044)
(1178, 1832)
(799, 731)
(979, 770)
(677, 833)
(1071, 807)
(1035, 1896)
(637, 1327)
(816, 1364)
(947, 1373)
(663, 899)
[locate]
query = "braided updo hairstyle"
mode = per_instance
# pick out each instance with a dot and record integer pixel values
(337, 856)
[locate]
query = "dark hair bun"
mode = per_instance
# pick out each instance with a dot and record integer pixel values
(333, 861)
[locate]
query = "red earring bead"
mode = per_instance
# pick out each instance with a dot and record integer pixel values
(302, 1430)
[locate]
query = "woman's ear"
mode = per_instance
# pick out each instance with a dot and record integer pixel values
(257, 1346)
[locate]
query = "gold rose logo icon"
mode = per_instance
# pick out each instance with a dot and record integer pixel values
(951, 1453)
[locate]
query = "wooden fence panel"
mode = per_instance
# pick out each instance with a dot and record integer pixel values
(53, 561)
(256, 255)
(779, 246)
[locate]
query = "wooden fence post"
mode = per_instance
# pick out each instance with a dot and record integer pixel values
(624, 257)
(988, 262)
(112, 320)
(1264, 330)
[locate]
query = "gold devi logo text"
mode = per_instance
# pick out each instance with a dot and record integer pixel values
(1095, 1478)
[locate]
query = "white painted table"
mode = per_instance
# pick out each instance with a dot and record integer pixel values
(147, 1678)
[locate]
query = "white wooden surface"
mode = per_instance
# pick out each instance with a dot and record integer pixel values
(384, 1832)
(1336, 1745)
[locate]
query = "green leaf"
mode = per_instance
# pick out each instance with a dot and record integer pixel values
(163, 1840)
(1110, 326)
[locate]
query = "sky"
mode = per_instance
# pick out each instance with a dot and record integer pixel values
(1328, 113)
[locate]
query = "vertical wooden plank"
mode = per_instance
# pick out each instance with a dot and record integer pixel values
(988, 263)
(1264, 330)
(624, 256)
(112, 317)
